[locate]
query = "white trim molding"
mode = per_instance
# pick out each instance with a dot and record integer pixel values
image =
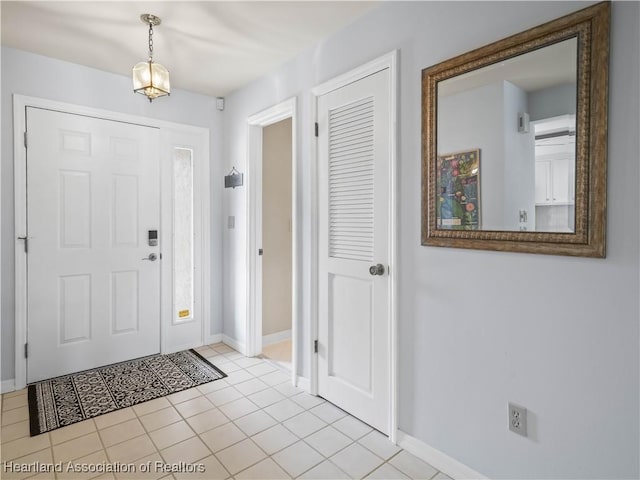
(437, 459)
(255, 124)
(20, 230)
(387, 61)
(235, 344)
(7, 386)
(303, 383)
(211, 339)
(276, 337)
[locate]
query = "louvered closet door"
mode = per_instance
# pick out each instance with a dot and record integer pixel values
(353, 323)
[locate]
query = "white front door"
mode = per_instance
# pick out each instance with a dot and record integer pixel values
(354, 206)
(93, 197)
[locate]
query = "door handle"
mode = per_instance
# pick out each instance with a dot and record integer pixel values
(152, 257)
(376, 269)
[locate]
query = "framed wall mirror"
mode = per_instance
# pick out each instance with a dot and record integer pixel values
(514, 141)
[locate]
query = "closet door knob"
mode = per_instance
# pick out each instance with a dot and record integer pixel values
(376, 269)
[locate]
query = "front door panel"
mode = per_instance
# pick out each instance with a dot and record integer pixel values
(92, 196)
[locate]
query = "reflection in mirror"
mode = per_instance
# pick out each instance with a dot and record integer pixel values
(506, 144)
(555, 153)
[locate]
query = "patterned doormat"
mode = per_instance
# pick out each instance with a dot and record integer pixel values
(72, 398)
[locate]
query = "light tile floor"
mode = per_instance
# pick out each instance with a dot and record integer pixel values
(251, 425)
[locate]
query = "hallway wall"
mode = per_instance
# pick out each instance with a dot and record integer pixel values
(478, 329)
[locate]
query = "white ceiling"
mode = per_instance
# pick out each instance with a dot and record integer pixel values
(209, 47)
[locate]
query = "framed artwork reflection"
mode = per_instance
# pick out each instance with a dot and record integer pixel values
(458, 191)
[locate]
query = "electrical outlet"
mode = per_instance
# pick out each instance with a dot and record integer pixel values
(518, 419)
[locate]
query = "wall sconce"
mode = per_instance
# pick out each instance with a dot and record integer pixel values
(234, 179)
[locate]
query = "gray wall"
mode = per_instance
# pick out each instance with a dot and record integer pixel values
(552, 102)
(28, 74)
(477, 329)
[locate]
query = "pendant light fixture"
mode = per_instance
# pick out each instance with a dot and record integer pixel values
(150, 78)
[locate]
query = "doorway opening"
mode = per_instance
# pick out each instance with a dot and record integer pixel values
(555, 159)
(277, 243)
(273, 289)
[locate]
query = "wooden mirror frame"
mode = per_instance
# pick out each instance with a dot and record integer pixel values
(591, 27)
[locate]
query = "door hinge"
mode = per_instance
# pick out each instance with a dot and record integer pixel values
(26, 350)
(26, 243)
(315, 346)
(317, 128)
(25, 139)
(260, 252)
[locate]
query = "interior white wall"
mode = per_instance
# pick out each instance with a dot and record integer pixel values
(477, 329)
(34, 75)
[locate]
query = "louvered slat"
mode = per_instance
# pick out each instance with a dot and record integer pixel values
(351, 181)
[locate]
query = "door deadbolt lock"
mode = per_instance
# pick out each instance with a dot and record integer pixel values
(152, 257)
(153, 238)
(376, 269)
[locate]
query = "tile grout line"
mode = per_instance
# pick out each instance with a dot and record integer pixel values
(249, 437)
(74, 439)
(171, 405)
(252, 465)
(327, 460)
(4, 402)
(184, 419)
(104, 449)
(260, 409)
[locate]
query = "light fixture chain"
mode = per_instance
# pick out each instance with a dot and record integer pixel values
(150, 41)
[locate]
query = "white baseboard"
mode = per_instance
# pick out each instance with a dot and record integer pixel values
(303, 383)
(7, 386)
(217, 338)
(276, 337)
(436, 458)
(233, 343)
